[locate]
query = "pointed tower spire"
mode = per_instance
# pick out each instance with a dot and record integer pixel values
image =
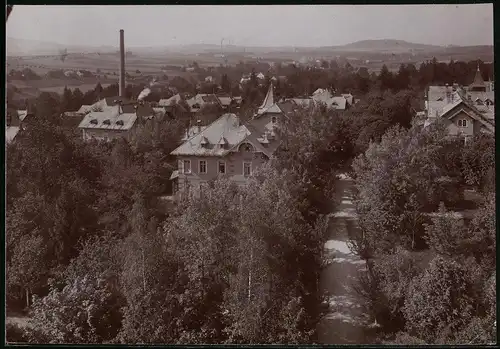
(478, 83)
(268, 101)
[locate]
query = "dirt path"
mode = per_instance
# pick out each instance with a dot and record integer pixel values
(345, 322)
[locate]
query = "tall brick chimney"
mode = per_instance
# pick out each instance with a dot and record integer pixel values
(122, 65)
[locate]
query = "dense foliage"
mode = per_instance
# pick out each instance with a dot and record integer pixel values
(430, 270)
(95, 255)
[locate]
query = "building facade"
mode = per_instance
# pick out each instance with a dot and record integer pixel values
(466, 111)
(226, 148)
(112, 118)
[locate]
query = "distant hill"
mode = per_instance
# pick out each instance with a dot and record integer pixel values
(23, 47)
(387, 45)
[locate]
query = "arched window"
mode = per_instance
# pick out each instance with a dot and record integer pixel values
(246, 147)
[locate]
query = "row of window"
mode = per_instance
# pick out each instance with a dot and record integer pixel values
(462, 123)
(202, 167)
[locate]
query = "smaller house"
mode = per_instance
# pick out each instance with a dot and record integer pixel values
(201, 100)
(229, 102)
(107, 125)
(325, 97)
(457, 110)
(261, 76)
(209, 79)
(111, 118)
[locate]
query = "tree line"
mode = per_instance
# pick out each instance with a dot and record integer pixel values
(430, 274)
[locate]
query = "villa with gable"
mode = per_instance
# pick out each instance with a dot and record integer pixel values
(466, 111)
(226, 148)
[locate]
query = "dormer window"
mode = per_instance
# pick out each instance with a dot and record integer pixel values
(223, 142)
(479, 101)
(93, 121)
(204, 142)
(119, 122)
(107, 122)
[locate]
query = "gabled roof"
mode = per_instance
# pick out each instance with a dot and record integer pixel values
(110, 119)
(228, 132)
(318, 91)
(10, 133)
(21, 114)
(226, 126)
(128, 106)
(201, 99)
(451, 110)
(255, 133)
(84, 108)
(475, 116)
(225, 100)
(482, 95)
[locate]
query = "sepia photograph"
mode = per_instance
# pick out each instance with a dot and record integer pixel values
(250, 174)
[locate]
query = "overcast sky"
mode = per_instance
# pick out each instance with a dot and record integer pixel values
(290, 25)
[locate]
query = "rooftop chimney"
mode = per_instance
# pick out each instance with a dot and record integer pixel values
(198, 123)
(122, 65)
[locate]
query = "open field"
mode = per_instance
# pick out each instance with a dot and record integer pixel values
(106, 63)
(372, 55)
